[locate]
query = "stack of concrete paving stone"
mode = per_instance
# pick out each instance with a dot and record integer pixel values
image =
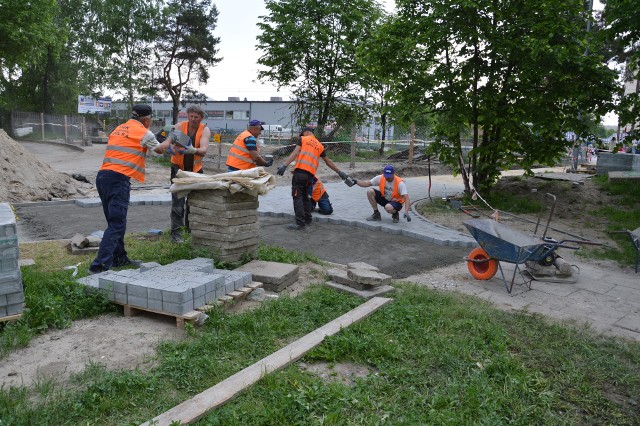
(361, 279)
(80, 244)
(274, 276)
(224, 222)
(174, 289)
(11, 291)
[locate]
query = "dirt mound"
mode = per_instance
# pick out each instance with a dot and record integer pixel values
(25, 178)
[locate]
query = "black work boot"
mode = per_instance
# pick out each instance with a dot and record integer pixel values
(375, 216)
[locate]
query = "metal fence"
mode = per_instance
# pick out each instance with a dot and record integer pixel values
(56, 127)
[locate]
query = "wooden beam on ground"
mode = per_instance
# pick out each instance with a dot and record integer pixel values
(201, 404)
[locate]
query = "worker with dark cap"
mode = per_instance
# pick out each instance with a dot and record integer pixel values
(124, 159)
(390, 192)
(244, 153)
(307, 154)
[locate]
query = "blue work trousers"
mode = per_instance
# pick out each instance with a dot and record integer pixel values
(114, 189)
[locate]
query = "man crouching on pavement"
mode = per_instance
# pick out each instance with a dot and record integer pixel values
(391, 194)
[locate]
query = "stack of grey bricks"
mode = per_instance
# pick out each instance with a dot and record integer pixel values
(225, 223)
(175, 289)
(610, 162)
(11, 291)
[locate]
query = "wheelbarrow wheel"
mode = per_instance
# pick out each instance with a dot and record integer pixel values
(481, 270)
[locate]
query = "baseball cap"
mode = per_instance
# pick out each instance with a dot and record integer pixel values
(307, 129)
(256, 123)
(141, 110)
(388, 171)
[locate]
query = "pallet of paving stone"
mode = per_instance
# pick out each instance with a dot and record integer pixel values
(131, 311)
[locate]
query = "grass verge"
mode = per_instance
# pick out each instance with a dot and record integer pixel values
(433, 358)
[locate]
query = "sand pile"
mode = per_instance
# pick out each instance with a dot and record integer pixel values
(25, 178)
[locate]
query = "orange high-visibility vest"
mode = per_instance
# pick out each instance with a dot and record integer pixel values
(318, 190)
(395, 195)
(125, 154)
(239, 156)
(178, 159)
(309, 156)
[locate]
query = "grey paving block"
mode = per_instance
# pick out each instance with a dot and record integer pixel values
(137, 290)
(177, 308)
(3, 311)
(280, 286)
(199, 302)
(340, 276)
(178, 295)
(365, 294)
(154, 304)
(141, 302)
(269, 272)
(10, 287)
(221, 221)
(362, 265)
(15, 298)
(89, 202)
(3, 300)
(366, 276)
(15, 309)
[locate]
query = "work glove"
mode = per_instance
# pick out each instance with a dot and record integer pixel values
(175, 149)
(190, 149)
(281, 170)
(342, 175)
(406, 216)
(268, 162)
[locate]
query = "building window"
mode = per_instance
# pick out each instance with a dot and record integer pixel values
(240, 115)
(215, 115)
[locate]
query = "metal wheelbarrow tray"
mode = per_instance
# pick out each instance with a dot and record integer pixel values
(503, 244)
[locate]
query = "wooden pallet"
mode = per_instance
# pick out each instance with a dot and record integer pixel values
(233, 297)
(131, 311)
(11, 318)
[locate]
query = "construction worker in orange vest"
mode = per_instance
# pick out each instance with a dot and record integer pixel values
(307, 154)
(391, 193)
(187, 158)
(244, 153)
(124, 159)
(319, 196)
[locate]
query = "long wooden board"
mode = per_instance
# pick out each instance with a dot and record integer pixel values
(198, 406)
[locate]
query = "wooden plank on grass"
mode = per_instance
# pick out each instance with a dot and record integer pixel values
(198, 406)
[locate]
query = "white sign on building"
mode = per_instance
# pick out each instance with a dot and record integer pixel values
(90, 105)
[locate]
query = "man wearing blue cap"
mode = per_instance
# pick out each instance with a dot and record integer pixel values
(244, 154)
(390, 192)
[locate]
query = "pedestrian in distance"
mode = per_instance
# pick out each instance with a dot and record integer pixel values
(244, 153)
(124, 159)
(188, 143)
(389, 191)
(307, 154)
(320, 197)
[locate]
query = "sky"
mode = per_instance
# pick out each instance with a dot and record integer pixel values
(237, 74)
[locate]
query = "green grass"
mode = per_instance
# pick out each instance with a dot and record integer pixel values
(434, 358)
(621, 213)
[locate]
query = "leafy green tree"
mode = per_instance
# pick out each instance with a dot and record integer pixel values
(622, 28)
(128, 30)
(514, 73)
(26, 30)
(310, 46)
(186, 47)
